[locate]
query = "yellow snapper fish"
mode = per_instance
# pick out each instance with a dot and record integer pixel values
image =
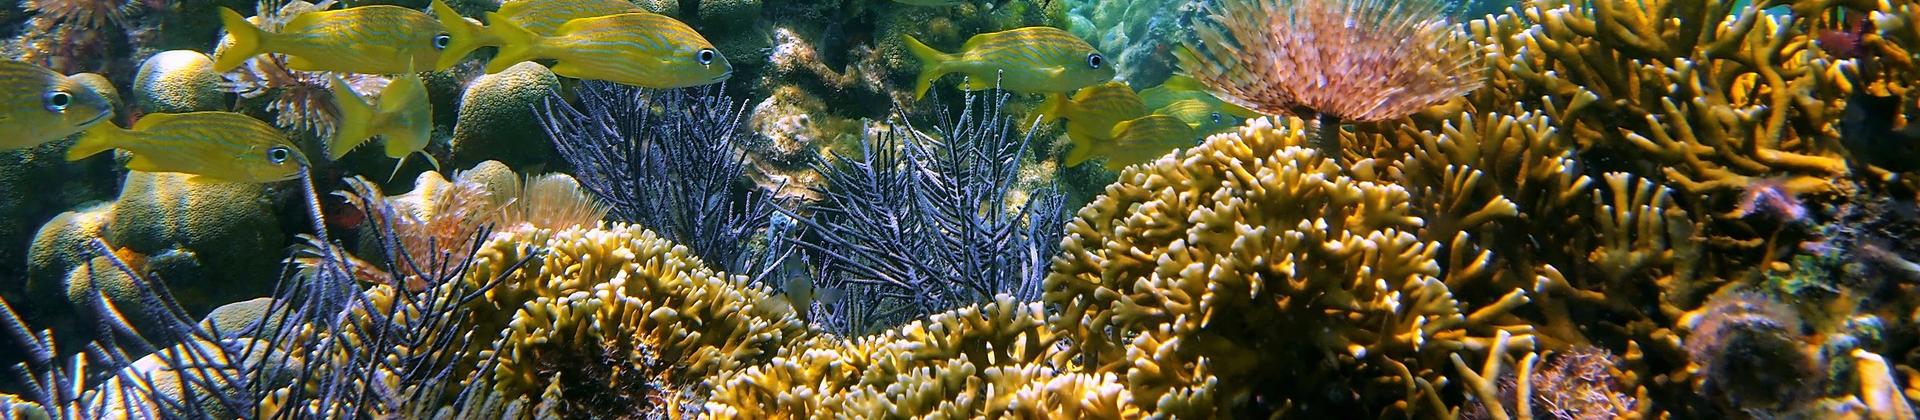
(1206, 119)
(220, 145)
(43, 106)
(636, 49)
(1138, 140)
(366, 39)
(541, 17)
(1093, 111)
(1182, 87)
(402, 118)
(1035, 59)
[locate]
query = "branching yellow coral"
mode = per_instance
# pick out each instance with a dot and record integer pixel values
(993, 360)
(618, 320)
(1714, 95)
(1205, 257)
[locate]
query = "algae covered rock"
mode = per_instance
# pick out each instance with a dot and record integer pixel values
(497, 121)
(178, 81)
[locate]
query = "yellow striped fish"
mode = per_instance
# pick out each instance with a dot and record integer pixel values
(1035, 59)
(401, 117)
(219, 145)
(1093, 111)
(1182, 87)
(365, 39)
(541, 17)
(637, 49)
(1205, 118)
(43, 106)
(1138, 140)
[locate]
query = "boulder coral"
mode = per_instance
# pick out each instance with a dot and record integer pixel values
(178, 81)
(228, 231)
(496, 112)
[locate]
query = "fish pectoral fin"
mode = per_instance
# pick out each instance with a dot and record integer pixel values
(976, 83)
(144, 164)
(300, 63)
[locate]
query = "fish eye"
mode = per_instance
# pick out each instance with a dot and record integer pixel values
(1094, 61)
(58, 101)
(1217, 117)
(706, 56)
(441, 41)
(279, 155)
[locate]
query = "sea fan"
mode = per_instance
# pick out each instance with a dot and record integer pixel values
(1337, 60)
(920, 221)
(669, 160)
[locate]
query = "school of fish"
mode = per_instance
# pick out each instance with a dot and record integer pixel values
(608, 40)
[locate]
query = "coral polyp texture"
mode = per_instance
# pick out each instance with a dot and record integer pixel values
(1354, 60)
(1204, 258)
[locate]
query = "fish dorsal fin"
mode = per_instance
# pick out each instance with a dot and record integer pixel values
(973, 44)
(302, 22)
(1181, 81)
(150, 120)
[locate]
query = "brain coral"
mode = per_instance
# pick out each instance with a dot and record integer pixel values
(1217, 255)
(178, 81)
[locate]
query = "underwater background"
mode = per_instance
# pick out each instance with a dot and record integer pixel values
(1566, 209)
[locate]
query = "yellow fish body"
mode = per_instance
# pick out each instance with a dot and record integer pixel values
(44, 106)
(1035, 59)
(1138, 140)
(401, 117)
(366, 39)
(1093, 111)
(1206, 119)
(1182, 87)
(219, 145)
(542, 17)
(637, 49)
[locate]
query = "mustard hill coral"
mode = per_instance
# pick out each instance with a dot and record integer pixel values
(1199, 257)
(1333, 60)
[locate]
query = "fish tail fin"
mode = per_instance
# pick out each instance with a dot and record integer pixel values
(932, 64)
(517, 44)
(356, 120)
(465, 35)
(98, 139)
(248, 41)
(1052, 107)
